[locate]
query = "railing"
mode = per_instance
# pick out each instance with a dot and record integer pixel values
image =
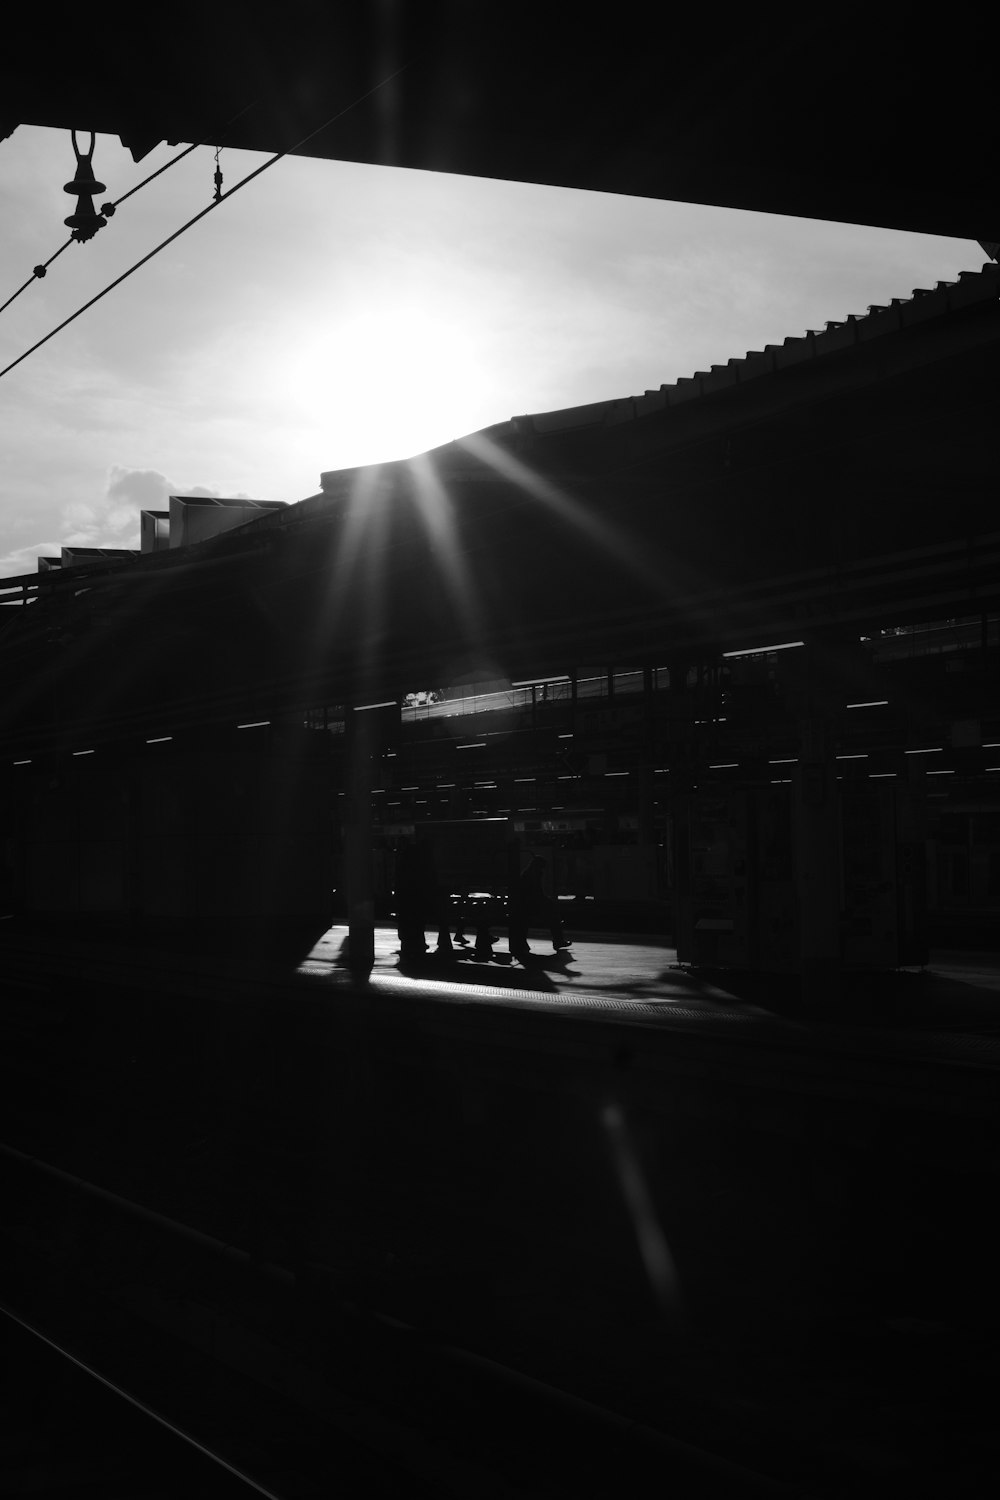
(936, 638)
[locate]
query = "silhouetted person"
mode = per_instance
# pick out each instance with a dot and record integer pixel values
(412, 870)
(442, 921)
(420, 903)
(482, 915)
(477, 910)
(531, 907)
(464, 918)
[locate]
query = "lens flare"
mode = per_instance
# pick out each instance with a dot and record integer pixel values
(657, 1257)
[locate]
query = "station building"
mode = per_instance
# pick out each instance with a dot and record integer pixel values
(725, 654)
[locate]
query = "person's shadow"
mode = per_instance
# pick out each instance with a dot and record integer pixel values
(550, 963)
(467, 965)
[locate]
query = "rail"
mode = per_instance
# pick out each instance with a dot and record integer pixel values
(148, 1411)
(496, 1377)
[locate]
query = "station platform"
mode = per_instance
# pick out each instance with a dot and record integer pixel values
(947, 1010)
(950, 1008)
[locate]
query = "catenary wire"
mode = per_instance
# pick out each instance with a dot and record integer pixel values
(41, 269)
(187, 152)
(279, 156)
(36, 274)
(172, 162)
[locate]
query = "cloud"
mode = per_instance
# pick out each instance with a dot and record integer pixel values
(140, 489)
(113, 521)
(110, 521)
(102, 523)
(148, 489)
(25, 559)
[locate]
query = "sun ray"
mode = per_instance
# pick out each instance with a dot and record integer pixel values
(436, 509)
(354, 553)
(674, 582)
(565, 506)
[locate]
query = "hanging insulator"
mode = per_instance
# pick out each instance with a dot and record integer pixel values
(86, 221)
(218, 177)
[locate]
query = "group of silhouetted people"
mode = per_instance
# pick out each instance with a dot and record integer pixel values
(531, 907)
(422, 905)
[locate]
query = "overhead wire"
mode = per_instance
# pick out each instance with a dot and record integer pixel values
(36, 274)
(109, 208)
(279, 156)
(171, 163)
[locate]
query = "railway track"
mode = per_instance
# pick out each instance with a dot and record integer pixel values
(66, 1430)
(306, 1341)
(196, 1336)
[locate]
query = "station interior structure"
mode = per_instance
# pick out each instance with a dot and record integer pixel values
(834, 488)
(725, 654)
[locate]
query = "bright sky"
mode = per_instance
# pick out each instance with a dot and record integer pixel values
(332, 314)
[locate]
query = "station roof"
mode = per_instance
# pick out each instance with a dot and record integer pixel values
(942, 303)
(840, 112)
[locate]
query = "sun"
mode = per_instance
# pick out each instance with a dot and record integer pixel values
(385, 383)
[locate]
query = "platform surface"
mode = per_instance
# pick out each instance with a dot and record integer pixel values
(950, 1008)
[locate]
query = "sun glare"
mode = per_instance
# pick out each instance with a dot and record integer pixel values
(378, 386)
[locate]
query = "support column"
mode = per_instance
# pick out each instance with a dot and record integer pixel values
(644, 789)
(817, 867)
(360, 746)
(517, 921)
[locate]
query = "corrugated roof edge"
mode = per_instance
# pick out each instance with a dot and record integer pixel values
(838, 334)
(902, 312)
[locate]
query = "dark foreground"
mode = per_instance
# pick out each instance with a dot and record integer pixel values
(489, 1230)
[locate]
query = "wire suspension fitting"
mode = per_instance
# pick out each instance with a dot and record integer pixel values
(107, 209)
(86, 221)
(271, 161)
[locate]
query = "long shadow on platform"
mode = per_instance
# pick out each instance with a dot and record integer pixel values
(908, 998)
(464, 968)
